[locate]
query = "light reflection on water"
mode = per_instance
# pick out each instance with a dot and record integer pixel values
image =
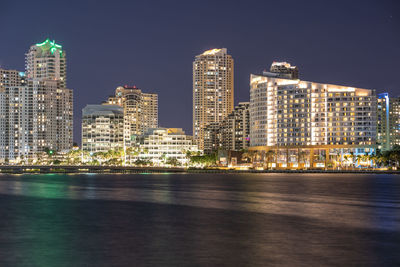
(313, 217)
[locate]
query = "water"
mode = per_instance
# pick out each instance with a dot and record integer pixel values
(200, 220)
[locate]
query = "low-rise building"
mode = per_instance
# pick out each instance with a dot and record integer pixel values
(161, 145)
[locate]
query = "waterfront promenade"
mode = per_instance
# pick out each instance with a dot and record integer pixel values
(136, 169)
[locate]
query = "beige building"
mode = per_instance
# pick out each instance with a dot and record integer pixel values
(140, 111)
(213, 90)
(288, 116)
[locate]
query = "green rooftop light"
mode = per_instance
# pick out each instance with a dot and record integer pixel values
(51, 44)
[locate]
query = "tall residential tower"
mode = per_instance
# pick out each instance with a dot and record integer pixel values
(212, 90)
(35, 107)
(46, 74)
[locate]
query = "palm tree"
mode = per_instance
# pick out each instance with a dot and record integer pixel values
(269, 156)
(358, 159)
(249, 155)
(302, 157)
(346, 159)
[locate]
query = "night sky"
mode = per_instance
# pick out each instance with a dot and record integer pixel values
(151, 44)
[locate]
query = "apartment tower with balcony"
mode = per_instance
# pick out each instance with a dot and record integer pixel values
(213, 90)
(309, 124)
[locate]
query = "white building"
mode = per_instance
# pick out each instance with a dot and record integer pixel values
(160, 144)
(102, 128)
(36, 110)
(18, 131)
(288, 115)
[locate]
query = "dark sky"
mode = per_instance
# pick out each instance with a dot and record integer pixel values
(152, 44)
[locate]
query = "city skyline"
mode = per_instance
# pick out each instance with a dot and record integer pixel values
(165, 68)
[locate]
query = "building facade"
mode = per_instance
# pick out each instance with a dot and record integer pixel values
(102, 128)
(288, 116)
(213, 90)
(232, 133)
(383, 122)
(284, 70)
(212, 138)
(47, 61)
(394, 111)
(46, 74)
(235, 128)
(18, 130)
(140, 111)
(160, 144)
(36, 108)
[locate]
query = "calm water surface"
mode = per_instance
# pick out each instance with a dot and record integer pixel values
(200, 220)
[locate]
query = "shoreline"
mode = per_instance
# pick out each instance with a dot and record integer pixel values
(12, 169)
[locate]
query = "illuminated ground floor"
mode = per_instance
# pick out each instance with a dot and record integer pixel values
(313, 157)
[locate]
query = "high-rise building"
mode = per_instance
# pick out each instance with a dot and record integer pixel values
(102, 128)
(140, 111)
(394, 121)
(36, 109)
(287, 115)
(230, 134)
(213, 90)
(17, 117)
(47, 61)
(46, 72)
(383, 121)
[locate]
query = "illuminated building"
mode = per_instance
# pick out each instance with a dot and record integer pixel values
(235, 128)
(284, 70)
(47, 61)
(383, 121)
(102, 128)
(212, 90)
(394, 121)
(212, 138)
(230, 134)
(140, 111)
(17, 127)
(320, 122)
(46, 74)
(160, 144)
